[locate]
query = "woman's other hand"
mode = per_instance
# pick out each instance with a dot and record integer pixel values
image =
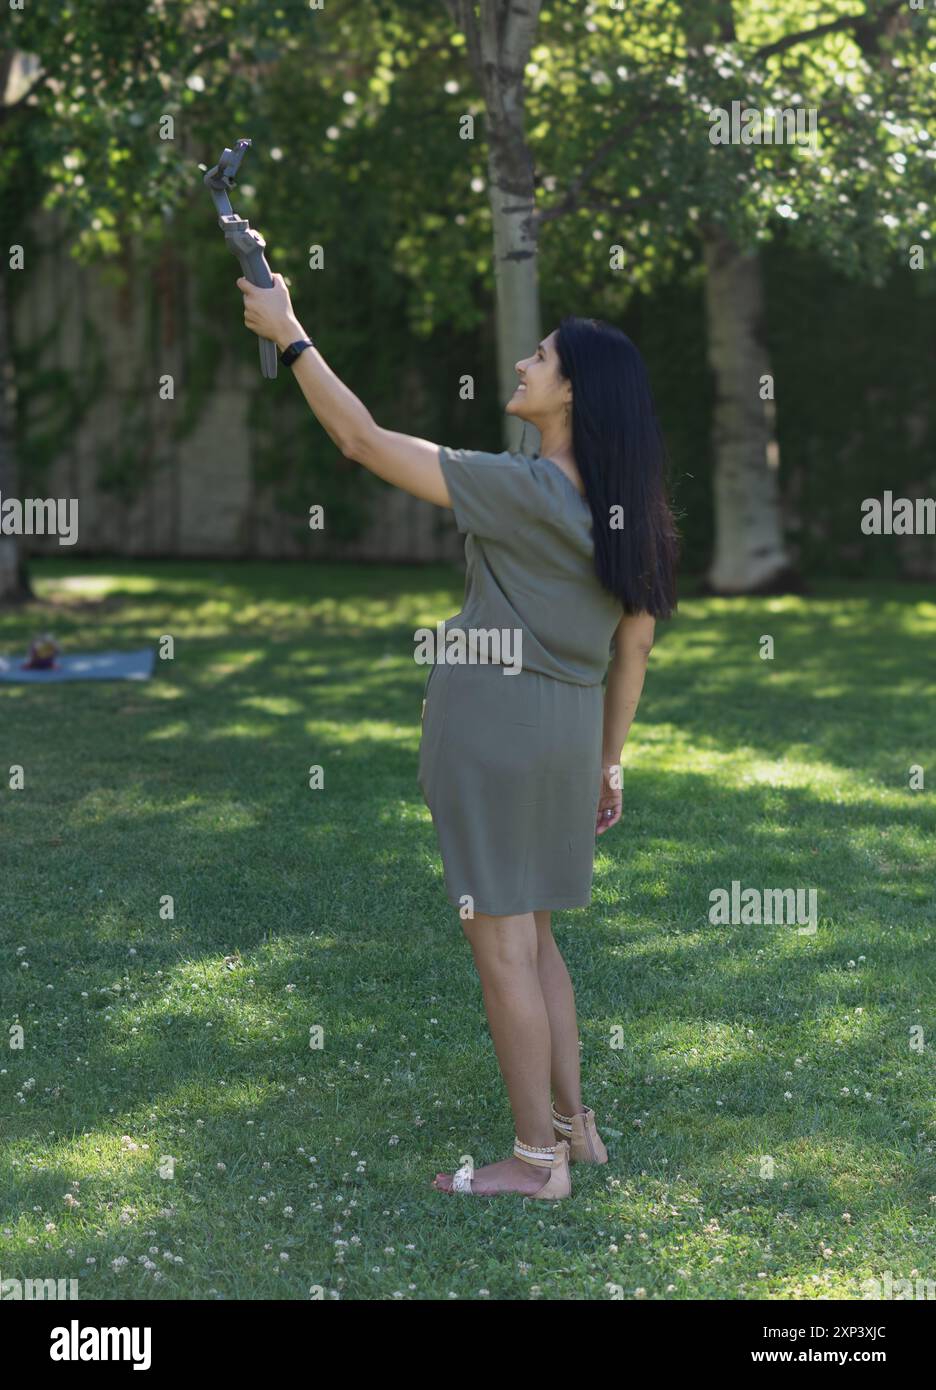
(609, 799)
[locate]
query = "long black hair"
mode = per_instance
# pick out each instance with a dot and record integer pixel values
(620, 453)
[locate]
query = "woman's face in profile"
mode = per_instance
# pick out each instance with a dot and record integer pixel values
(536, 388)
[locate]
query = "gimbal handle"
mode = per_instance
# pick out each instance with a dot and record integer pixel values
(247, 245)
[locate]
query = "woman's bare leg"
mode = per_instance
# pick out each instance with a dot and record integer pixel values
(505, 953)
(559, 998)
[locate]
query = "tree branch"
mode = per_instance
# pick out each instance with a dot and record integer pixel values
(571, 201)
(592, 203)
(848, 21)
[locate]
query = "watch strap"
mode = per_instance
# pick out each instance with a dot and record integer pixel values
(289, 355)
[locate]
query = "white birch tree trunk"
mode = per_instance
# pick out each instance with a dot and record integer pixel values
(499, 43)
(749, 550)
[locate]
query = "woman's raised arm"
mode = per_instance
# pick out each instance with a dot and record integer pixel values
(401, 459)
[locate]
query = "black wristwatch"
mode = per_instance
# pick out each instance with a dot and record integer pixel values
(289, 356)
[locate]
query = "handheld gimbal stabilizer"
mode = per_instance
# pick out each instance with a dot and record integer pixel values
(247, 246)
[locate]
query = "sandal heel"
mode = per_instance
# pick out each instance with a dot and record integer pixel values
(559, 1183)
(585, 1143)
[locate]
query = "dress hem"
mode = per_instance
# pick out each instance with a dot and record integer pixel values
(554, 906)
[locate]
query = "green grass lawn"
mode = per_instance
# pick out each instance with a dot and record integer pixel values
(714, 1055)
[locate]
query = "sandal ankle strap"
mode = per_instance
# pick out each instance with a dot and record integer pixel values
(541, 1156)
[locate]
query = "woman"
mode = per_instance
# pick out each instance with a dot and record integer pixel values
(573, 554)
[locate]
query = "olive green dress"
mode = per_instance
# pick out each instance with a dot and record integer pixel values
(510, 764)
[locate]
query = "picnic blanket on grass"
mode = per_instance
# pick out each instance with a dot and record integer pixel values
(83, 666)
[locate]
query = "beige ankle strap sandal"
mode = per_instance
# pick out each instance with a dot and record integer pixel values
(585, 1144)
(555, 1158)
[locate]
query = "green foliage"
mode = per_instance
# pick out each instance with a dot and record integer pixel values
(355, 113)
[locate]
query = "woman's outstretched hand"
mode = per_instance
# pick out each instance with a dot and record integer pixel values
(269, 313)
(609, 801)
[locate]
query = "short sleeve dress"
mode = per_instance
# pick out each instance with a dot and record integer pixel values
(510, 753)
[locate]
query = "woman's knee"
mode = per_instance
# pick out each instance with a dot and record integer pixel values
(502, 944)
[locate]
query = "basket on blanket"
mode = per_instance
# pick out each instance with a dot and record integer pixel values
(42, 653)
